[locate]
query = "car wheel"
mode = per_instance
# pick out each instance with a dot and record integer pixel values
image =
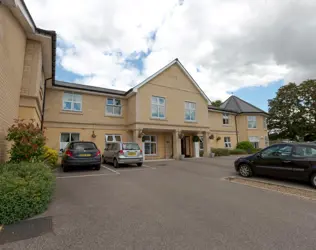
(313, 180)
(139, 164)
(97, 167)
(245, 170)
(115, 163)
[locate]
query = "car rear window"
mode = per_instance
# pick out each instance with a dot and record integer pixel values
(84, 146)
(130, 146)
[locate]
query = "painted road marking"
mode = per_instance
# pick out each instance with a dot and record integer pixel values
(146, 166)
(80, 176)
(110, 169)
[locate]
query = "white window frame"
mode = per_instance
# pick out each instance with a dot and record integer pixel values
(225, 118)
(159, 107)
(265, 123)
(227, 142)
(114, 139)
(254, 140)
(113, 106)
(252, 120)
(201, 144)
(151, 142)
(72, 102)
(60, 147)
(266, 141)
(191, 110)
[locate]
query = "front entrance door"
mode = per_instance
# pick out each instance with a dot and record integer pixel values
(185, 146)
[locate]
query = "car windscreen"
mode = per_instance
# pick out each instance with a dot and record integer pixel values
(130, 146)
(84, 146)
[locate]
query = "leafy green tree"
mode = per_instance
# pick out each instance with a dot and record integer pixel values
(292, 113)
(216, 103)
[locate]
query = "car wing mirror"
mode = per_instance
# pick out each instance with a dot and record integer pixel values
(259, 155)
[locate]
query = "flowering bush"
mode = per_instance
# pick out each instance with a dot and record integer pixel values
(28, 141)
(50, 156)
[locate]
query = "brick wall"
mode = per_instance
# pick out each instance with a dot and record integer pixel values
(12, 50)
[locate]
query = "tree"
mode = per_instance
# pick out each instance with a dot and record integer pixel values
(216, 103)
(292, 113)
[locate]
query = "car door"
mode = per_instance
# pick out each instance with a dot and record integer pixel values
(303, 161)
(106, 151)
(274, 161)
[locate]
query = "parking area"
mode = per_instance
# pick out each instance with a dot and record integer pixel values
(172, 205)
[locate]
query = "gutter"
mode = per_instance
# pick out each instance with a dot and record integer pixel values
(44, 99)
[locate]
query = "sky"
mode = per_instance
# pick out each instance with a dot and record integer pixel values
(245, 47)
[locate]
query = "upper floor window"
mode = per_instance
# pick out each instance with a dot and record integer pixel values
(113, 106)
(225, 118)
(72, 101)
(190, 110)
(265, 122)
(252, 122)
(158, 107)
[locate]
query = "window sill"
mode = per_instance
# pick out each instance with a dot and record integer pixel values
(252, 128)
(114, 116)
(159, 119)
(71, 112)
(190, 121)
(227, 125)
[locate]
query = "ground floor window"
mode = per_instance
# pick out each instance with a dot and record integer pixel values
(113, 138)
(150, 142)
(266, 141)
(254, 141)
(201, 143)
(227, 142)
(65, 138)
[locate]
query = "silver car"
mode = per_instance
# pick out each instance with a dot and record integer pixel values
(123, 153)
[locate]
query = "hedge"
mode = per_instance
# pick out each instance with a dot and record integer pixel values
(238, 152)
(220, 151)
(25, 190)
(245, 145)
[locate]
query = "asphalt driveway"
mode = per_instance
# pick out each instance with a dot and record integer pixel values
(171, 205)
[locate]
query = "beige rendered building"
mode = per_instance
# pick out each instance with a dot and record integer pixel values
(26, 65)
(163, 113)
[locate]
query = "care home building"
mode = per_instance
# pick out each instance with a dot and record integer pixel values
(163, 113)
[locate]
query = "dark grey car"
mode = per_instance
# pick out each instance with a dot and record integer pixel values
(81, 153)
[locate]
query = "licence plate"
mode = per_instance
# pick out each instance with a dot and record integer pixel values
(85, 155)
(131, 153)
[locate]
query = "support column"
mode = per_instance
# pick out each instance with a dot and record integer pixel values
(206, 144)
(139, 141)
(176, 145)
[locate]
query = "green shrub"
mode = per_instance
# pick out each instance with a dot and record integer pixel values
(25, 190)
(245, 145)
(201, 153)
(237, 152)
(28, 141)
(220, 151)
(50, 156)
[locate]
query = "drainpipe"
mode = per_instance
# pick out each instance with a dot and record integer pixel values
(43, 106)
(236, 128)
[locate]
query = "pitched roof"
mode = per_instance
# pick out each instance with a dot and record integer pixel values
(238, 105)
(89, 88)
(175, 61)
(134, 89)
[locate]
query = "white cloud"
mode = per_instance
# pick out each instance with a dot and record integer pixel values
(233, 44)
